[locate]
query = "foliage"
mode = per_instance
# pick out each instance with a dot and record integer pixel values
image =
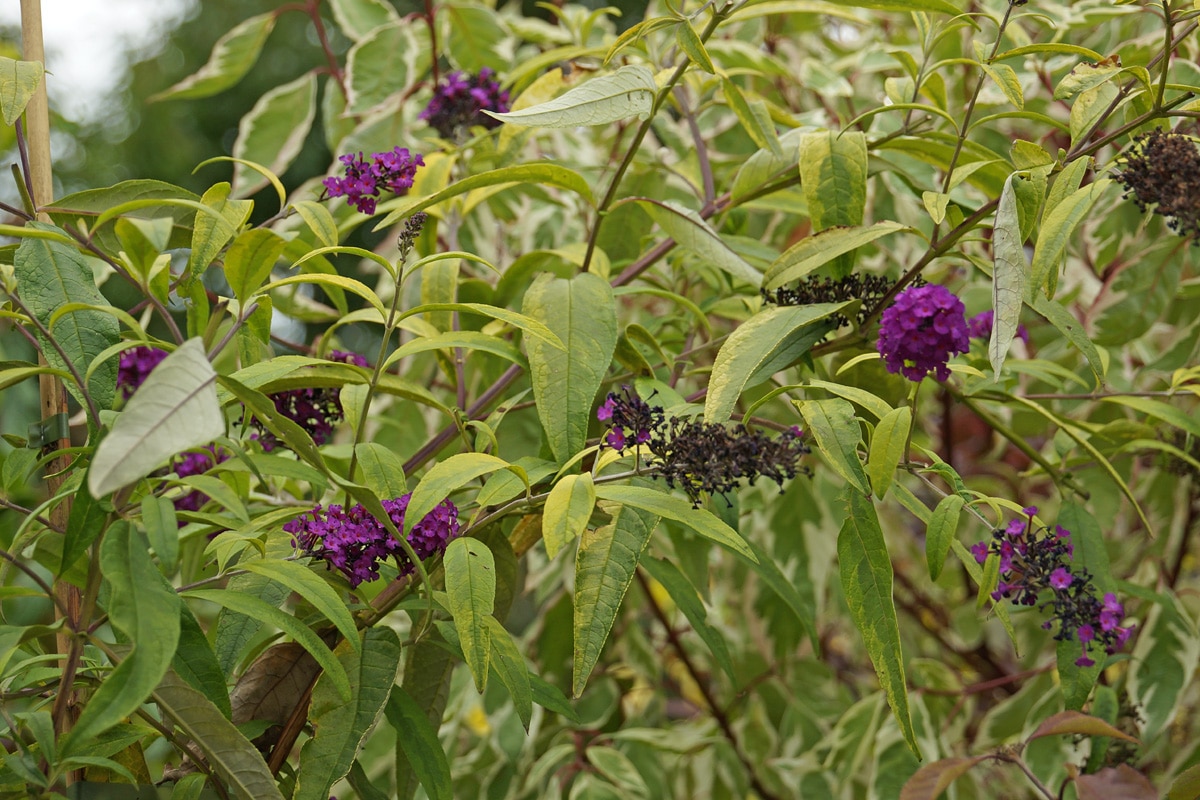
(302, 553)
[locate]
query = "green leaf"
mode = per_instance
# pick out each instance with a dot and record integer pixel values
(866, 572)
(196, 662)
(382, 470)
(273, 132)
(471, 585)
(304, 582)
(689, 42)
(386, 64)
(582, 313)
(51, 275)
(1160, 410)
(1008, 279)
(162, 528)
(473, 340)
(767, 165)
(687, 600)
(1164, 662)
(567, 510)
(250, 260)
(304, 636)
(474, 36)
(211, 233)
(761, 131)
(604, 568)
(359, 18)
(447, 476)
(616, 766)
(232, 57)
(144, 608)
(819, 249)
(339, 728)
(1058, 224)
(84, 524)
(887, 449)
(227, 751)
(236, 630)
(698, 520)
(837, 433)
(418, 739)
(1072, 329)
(695, 235)
(319, 221)
(18, 81)
(766, 343)
(938, 6)
(175, 409)
(833, 177)
(940, 532)
(1005, 78)
(506, 660)
(1187, 785)
(628, 92)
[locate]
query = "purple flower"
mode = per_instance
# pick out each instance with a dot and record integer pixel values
(195, 462)
(363, 180)
(459, 101)
(921, 331)
(980, 327)
(1061, 578)
(605, 412)
(316, 410)
(135, 366)
(354, 542)
(980, 551)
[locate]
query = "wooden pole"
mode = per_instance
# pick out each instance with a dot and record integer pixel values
(53, 395)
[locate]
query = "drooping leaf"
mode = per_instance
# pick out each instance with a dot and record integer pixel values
(419, 742)
(211, 233)
(604, 569)
(943, 524)
(174, 410)
(84, 524)
(448, 476)
(273, 132)
(866, 572)
(471, 586)
(887, 449)
(1075, 723)
(836, 430)
(696, 236)
(18, 81)
(688, 601)
(339, 728)
(196, 662)
(142, 606)
(931, 780)
(627, 92)
(582, 313)
(51, 275)
(1163, 664)
(382, 470)
(234, 629)
(1058, 224)
(250, 259)
(567, 510)
(508, 663)
(1122, 782)
(764, 344)
(304, 582)
(474, 36)
(1008, 279)
(820, 248)
(698, 520)
(226, 750)
(232, 57)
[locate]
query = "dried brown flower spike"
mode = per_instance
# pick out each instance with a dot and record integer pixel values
(1162, 172)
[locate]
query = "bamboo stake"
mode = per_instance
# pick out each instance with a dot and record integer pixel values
(53, 395)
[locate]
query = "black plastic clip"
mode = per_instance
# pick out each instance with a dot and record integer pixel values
(49, 431)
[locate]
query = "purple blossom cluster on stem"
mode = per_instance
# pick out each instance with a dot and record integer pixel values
(1035, 571)
(921, 331)
(135, 365)
(363, 181)
(460, 99)
(196, 462)
(316, 410)
(353, 542)
(699, 457)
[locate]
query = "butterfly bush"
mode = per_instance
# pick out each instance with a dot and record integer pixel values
(317, 410)
(461, 98)
(1035, 570)
(699, 457)
(363, 181)
(135, 365)
(1162, 172)
(921, 331)
(353, 542)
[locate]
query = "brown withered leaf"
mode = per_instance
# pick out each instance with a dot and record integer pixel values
(1122, 783)
(271, 687)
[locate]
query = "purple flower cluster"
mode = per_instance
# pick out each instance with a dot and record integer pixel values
(921, 331)
(459, 102)
(363, 181)
(980, 327)
(135, 366)
(699, 457)
(315, 410)
(354, 542)
(196, 462)
(1035, 563)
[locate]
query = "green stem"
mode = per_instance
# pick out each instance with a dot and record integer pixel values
(1168, 45)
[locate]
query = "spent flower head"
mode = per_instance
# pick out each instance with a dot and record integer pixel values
(699, 457)
(1035, 571)
(460, 99)
(1162, 172)
(135, 366)
(352, 541)
(811, 289)
(363, 181)
(921, 331)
